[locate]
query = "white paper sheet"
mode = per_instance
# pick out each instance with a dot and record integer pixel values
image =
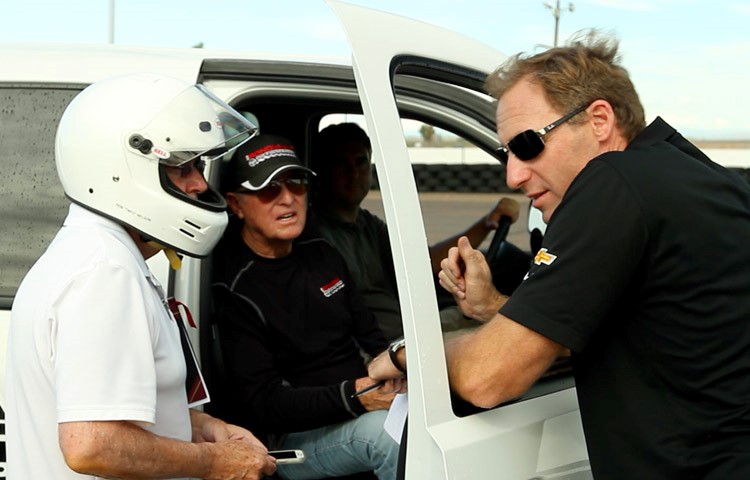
(396, 419)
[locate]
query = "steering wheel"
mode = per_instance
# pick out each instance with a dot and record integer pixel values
(493, 252)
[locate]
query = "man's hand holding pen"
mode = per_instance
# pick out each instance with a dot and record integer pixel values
(377, 395)
(368, 388)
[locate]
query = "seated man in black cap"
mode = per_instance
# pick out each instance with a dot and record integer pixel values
(292, 325)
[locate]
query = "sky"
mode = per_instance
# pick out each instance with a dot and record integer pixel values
(689, 59)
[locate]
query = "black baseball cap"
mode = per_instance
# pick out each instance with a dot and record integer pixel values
(259, 160)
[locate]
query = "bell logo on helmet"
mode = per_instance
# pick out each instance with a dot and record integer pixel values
(161, 153)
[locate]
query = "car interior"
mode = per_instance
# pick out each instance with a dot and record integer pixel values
(299, 119)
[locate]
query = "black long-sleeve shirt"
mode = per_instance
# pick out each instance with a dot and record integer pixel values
(291, 331)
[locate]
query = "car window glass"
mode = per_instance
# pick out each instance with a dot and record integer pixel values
(457, 181)
(34, 204)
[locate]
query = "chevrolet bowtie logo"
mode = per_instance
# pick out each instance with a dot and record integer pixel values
(544, 257)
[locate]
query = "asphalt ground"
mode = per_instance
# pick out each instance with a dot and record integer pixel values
(447, 213)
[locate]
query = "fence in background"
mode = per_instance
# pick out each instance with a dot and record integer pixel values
(472, 170)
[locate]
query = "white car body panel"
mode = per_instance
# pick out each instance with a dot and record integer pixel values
(24, 62)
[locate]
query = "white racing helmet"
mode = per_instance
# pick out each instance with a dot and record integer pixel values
(116, 136)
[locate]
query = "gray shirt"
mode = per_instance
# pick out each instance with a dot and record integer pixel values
(365, 246)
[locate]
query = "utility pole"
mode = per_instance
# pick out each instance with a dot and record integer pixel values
(111, 21)
(556, 12)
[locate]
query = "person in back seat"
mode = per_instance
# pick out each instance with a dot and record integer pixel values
(292, 325)
(342, 159)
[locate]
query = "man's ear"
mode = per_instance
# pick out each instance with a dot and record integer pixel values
(603, 121)
(234, 205)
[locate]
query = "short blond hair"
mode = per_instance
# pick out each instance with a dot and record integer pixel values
(587, 68)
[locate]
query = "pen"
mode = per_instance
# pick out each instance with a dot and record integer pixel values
(368, 388)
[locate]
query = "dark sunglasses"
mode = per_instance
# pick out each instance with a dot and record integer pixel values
(530, 143)
(296, 185)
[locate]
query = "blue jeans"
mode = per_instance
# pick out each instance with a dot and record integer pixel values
(357, 445)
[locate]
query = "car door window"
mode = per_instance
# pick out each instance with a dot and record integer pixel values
(457, 181)
(34, 204)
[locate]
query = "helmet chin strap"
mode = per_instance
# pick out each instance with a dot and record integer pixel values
(174, 260)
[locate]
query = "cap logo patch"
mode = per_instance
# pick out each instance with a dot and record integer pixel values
(270, 151)
(332, 287)
(544, 257)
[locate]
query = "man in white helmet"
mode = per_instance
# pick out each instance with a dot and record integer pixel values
(96, 373)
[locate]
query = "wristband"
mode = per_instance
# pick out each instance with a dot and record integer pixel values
(392, 349)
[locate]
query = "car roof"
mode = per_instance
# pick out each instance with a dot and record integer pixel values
(86, 63)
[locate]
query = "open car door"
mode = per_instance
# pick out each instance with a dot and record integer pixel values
(536, 436)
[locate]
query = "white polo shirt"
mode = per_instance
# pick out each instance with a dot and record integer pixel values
(91, 339)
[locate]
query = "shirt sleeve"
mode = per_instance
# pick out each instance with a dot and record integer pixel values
(103, 356)
(590, 254)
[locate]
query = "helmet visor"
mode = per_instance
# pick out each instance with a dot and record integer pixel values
(196, 124)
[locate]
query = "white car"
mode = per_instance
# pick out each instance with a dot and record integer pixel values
(429, 75)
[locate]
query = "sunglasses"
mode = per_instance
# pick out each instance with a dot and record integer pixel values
(529, 144)
(296, 185)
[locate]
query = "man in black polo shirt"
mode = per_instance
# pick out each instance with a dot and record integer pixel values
(642, 275)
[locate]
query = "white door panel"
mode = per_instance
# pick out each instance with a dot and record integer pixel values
(517, 441)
